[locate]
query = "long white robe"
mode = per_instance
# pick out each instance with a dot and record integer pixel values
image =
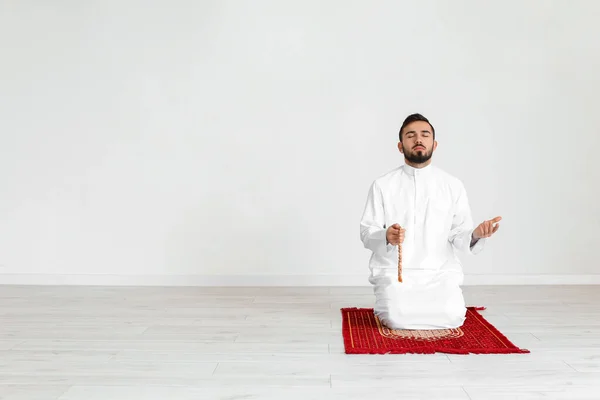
(432, 206)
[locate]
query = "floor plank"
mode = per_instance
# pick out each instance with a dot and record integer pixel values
(75, 343)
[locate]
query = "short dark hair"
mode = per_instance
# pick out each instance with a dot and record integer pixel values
(412, 118)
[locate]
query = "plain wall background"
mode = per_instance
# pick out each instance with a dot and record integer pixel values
(235, 141)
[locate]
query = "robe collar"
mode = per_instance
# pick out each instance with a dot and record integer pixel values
(416, 171)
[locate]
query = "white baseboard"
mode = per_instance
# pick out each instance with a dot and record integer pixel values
(540, 279)
(274, 280)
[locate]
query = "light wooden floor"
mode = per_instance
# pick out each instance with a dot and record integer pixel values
(99, 343)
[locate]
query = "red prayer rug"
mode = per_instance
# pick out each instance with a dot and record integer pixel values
(364, 334)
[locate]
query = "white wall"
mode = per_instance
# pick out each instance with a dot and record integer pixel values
(233, 142)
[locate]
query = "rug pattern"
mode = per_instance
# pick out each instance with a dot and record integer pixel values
(363, 333)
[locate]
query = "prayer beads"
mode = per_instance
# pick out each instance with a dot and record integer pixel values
(399, 262)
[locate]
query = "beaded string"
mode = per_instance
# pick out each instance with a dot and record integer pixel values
(399, 262)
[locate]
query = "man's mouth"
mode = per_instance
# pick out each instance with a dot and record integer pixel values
(419, 148)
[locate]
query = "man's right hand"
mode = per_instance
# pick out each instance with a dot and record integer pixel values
(395, 234)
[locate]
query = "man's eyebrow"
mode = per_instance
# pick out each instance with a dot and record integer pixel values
(423, 131)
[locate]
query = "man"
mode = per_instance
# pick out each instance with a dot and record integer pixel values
(427, 211)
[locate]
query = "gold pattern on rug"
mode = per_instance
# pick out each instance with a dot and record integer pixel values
(428, 335)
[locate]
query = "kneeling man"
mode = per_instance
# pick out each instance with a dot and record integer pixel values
(427, 211)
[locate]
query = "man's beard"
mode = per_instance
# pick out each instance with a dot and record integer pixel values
(418, 157)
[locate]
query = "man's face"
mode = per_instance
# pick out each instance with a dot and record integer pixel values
(417, 142)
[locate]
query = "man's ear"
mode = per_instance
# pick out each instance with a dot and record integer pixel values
(400, 147)
(435, 144)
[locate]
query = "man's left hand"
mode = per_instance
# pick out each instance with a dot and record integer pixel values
(486, 228)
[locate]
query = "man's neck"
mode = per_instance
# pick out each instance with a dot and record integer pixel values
(418, 166)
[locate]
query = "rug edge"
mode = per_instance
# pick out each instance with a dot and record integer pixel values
(439, 351)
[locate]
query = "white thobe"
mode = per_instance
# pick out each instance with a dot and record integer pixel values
(432, 206)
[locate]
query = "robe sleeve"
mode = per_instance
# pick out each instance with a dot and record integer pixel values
(372, 225)
(462, 227)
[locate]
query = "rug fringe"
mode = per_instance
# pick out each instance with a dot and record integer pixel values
(436, 350)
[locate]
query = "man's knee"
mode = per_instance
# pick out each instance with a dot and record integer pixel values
(399, 317)
(454, 315)
(444, 317)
